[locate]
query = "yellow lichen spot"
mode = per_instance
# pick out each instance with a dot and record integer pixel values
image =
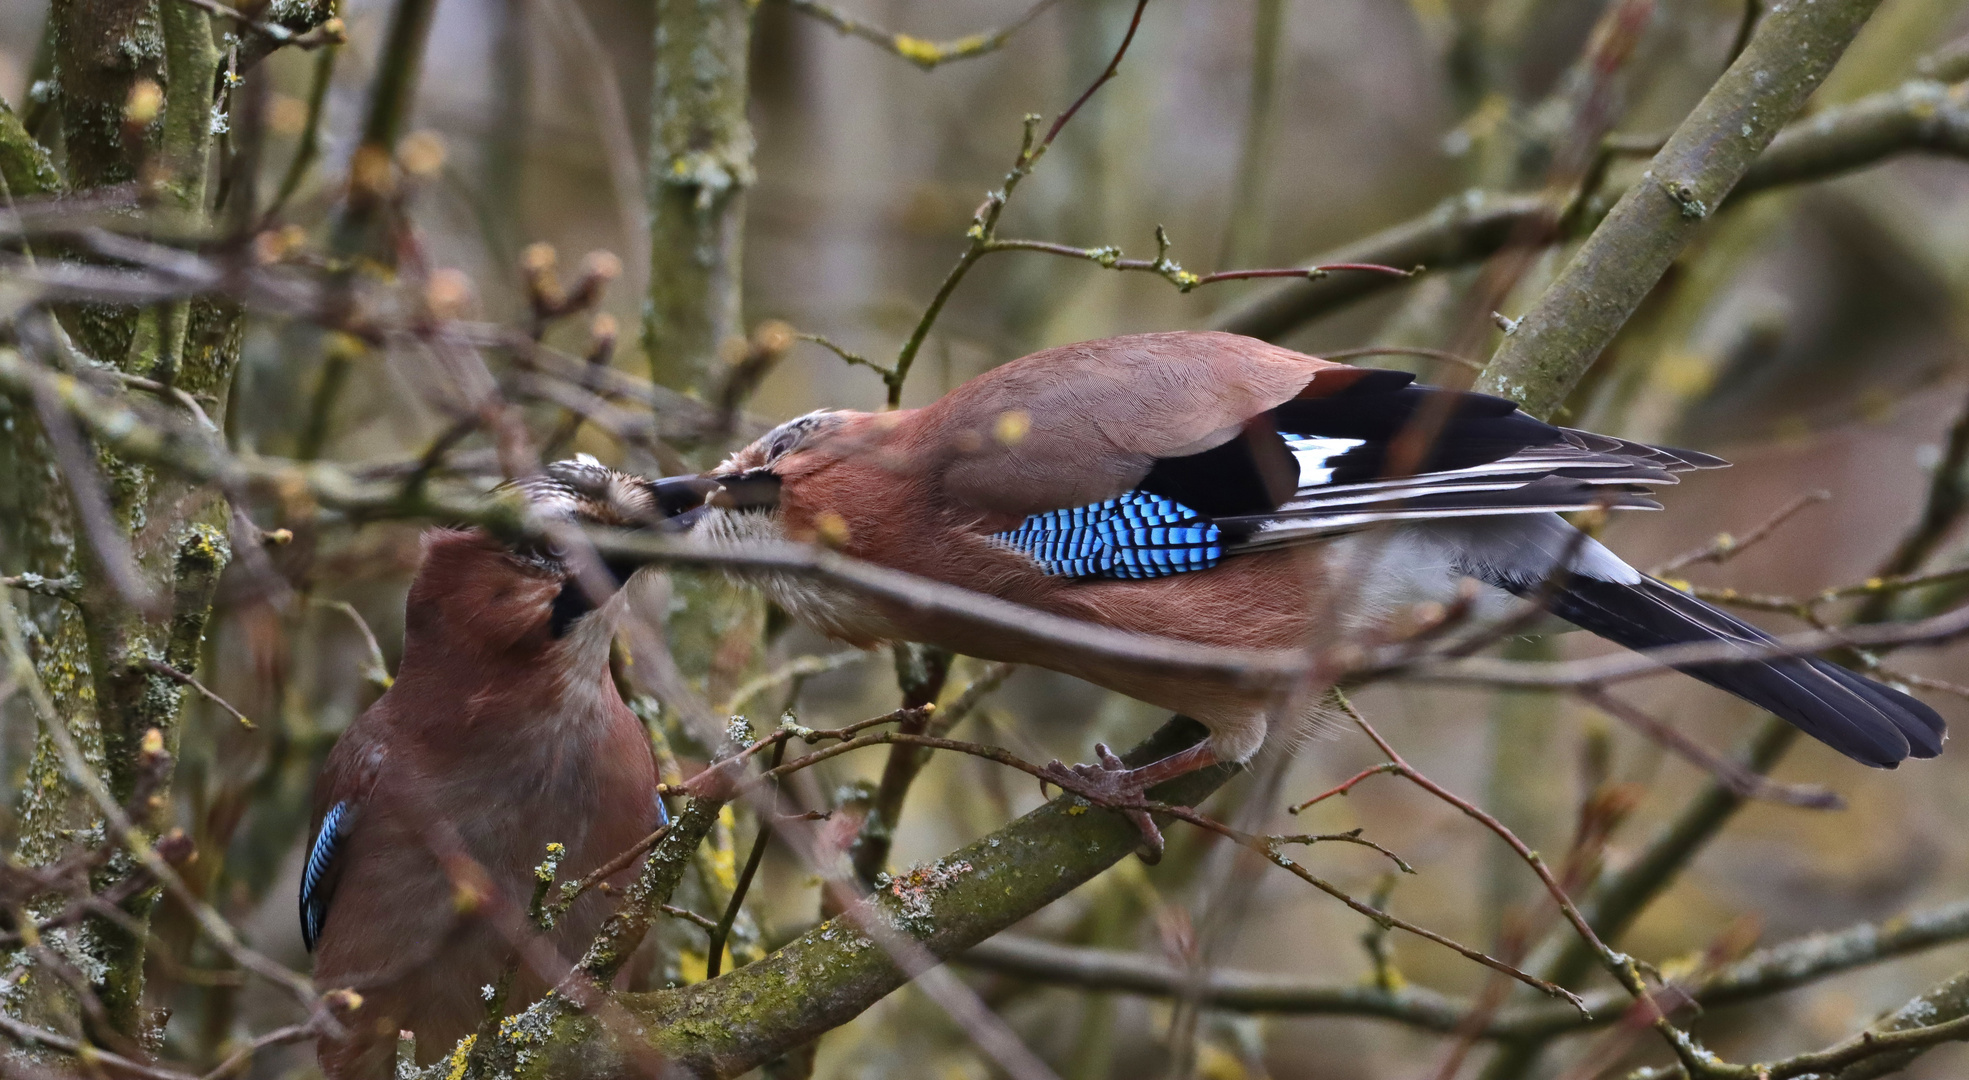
(831, 529)
(460, 1054)
(1076, 810)
(1012, 427)
(145, 102)
(153, 743)
(918, 51)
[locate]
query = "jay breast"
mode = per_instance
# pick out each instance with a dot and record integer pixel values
(403, 930)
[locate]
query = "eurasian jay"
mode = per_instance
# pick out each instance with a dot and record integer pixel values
(502, 733)
(1225, 491)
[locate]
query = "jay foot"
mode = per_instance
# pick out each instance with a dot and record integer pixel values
(1113, 785)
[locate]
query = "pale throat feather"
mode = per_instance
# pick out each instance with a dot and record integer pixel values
(583, 655)
(835, 612)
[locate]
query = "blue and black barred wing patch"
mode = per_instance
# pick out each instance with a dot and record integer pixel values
(316, 878)
(1137, 535)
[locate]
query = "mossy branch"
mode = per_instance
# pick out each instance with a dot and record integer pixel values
(830, 974)
(700, 166)
(26, 168)
(1551, 347)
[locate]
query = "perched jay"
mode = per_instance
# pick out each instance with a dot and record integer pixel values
(502, 733)
(1221, 490)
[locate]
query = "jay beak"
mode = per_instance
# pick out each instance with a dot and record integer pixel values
(1224, 491)
(502, 733)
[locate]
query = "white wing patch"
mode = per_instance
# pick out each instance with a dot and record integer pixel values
(1316, 456)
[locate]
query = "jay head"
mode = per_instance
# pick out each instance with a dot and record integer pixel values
(1224, 491)
(502, 734)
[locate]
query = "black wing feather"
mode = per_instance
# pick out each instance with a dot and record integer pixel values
(1868, 722)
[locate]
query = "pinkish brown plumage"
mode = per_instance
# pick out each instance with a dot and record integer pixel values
(1224, 491)
(502, 732)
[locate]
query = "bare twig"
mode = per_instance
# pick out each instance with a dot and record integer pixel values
(1726, 546)
(206, 692)
(1738, 779)
(1172, 271)
(984, 222)
(919, 51)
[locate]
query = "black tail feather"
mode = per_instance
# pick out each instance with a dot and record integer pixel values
(1868, 722)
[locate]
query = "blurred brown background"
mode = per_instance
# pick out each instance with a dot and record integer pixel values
(1815, 337)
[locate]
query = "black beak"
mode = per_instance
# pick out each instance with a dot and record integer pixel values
(682, 499)
(757, 489)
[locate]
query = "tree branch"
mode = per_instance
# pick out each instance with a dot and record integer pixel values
(1920, 115)
(828, 975)
(1554, 343)
(1758, 975)
(700, 165)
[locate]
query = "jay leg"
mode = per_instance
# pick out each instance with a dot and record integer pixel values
(1111, 782)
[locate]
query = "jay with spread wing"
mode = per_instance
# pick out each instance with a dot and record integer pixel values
(502, 733)
(1224, 491)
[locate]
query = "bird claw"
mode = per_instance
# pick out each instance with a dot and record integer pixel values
(1111, 785)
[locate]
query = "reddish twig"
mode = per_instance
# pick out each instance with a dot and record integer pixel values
(1114, 66)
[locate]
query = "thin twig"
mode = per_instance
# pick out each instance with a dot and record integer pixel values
(1266, 847)
(919, 51)
(1742, 781)
(798, 668)
(1620, 966)
(186, 679)
(1172, 271)
(1726, 546)
(721, 930)
(984, 222)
